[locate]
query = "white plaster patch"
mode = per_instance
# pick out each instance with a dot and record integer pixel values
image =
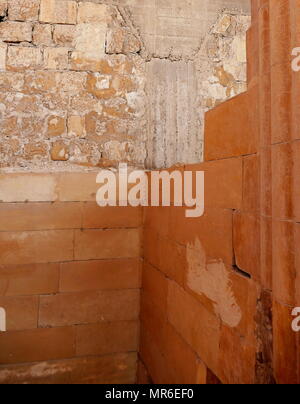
(211, 278)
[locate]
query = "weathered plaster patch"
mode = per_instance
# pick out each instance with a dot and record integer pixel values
(212, 279)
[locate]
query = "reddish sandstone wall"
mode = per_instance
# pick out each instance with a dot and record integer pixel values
(198, 311)
(69, 282)
(218, 291)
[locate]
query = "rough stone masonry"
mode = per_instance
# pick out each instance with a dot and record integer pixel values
(72, 85)
(92, 83)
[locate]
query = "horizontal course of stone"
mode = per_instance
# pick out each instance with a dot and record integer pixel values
(70, 281)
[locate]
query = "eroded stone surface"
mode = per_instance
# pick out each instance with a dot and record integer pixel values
(58, 11)
(214, 73)
(3, 8)
(23, 10)
(15, 32)
(135, 76)
(69, 114)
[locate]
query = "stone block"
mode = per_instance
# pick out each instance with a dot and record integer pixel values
(56, 58)
(23, 58)
(64, 35)
(58, 11)
(15, 31)
(23, 10)
(42, 35)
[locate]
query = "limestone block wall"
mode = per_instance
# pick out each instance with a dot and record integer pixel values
(92, 83)
(72, 88)
(70, 276)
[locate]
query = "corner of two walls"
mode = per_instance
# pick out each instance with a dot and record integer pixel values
(206, 67)
(218, 292)
(202, 307)
(64, 259)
